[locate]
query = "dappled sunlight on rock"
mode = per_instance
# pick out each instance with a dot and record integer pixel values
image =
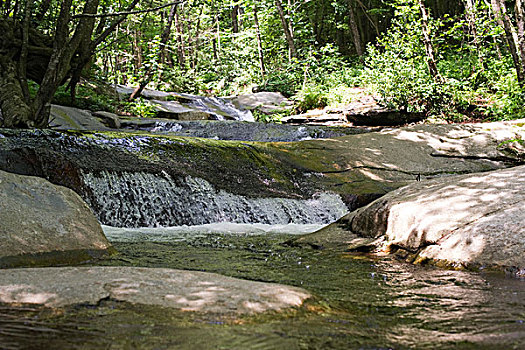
(461, 221)
(178, 289)
(21, 294)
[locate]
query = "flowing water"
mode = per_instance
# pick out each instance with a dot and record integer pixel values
(360, 302)
(149, 200)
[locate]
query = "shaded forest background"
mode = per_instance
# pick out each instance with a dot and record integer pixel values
(456, 58)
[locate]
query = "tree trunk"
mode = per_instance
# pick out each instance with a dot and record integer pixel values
(235, 19)
(14, 111)
(166, 33)
(356, 36)
(429, 48)
(259, 41)
(180, 40)
(164, 39)
(470, 8)
(520, 23)
(500, 11)
(286, 29)
(372, 22)
(22, 64)
(137, 51)
(197, 42)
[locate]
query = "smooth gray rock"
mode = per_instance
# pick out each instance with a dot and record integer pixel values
(42, 223)
(265, 102)
(175, 110)
(474, 220)
(125, 91)
(109, 119)
(183, 290)
(71, 118)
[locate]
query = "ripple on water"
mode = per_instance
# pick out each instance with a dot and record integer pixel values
(360, 302)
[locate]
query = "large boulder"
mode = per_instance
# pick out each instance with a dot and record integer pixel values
(71, 118)
(177, 289)
(471, 221)
(41, 223)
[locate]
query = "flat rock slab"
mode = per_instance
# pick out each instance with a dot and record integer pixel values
(71, 118)
(265, 102)
(41, 222)
(474, 220)
(178, 289)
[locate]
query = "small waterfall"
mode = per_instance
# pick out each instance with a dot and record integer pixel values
(147, 200)
(220, 108)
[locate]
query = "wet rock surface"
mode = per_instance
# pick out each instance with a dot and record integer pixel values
(183, 290)
(240, 131)
(359, 167)
(473, 220)
(182, 106)
(41, 223)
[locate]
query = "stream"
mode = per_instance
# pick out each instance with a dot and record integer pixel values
(360, 302)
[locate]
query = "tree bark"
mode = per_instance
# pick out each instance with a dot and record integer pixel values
(197, 43)
(286, 30)
(429, 48)
(14, 111)
(166, 33)
(520, 23)
(235, 19)
(500, 11)
(164, 39)
(22, 64)
(259, 41)
(356, 36)
(64, 49)
(180, 40)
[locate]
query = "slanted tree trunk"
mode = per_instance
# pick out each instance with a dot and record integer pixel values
(356, 36)
(18, 111)
(164, 39)
(166, 34)
(429, 48)
(89, 45)
(500, 11)
(22, 63)
(286, 30)
(259, 41)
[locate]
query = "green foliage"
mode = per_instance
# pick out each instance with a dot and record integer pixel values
(140, 108)
(311, 97)
(475, 82)
(88, 96)
(274, 117)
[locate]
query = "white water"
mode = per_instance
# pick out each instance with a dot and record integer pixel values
(149, 200)
(182, 233)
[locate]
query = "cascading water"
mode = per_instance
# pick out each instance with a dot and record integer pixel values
(148, 200)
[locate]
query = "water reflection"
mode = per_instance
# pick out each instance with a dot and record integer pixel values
(361, 302)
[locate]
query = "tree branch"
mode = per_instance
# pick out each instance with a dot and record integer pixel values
(126, 13)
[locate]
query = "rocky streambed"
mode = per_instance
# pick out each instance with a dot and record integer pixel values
(458, 175)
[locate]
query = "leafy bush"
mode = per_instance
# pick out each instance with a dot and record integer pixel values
(140, 108)
(311, 97)
(88, 96)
